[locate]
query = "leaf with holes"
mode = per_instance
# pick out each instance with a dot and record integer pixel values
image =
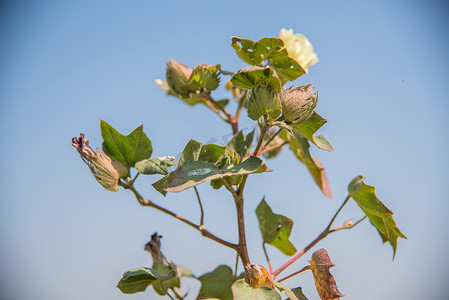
(128, 149)
(276, 229)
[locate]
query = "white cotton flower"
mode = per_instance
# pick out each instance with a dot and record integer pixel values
(299, 48)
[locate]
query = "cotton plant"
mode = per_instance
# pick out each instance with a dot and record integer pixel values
(285, 117)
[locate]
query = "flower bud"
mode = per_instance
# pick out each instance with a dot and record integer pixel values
(106, 170)
(263, 101)
(298, 104)
(299, 48)
(204, 76)
(177, 76)
(259, 276)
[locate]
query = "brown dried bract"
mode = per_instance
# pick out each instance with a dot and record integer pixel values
(324, 281)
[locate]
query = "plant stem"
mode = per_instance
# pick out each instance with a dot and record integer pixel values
(293, 274)
(234, 120)
(242, 249)
(241, 246)
(204, 232)
(313, 243)
(236, 265)
(265, 150)
(272, 138)
(266, 255)
(201, 206)
(212, 107)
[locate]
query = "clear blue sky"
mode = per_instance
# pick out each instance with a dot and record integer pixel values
(64, 65)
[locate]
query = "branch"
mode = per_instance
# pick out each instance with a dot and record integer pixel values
(296, 273)
(314, 242)
(204, 232)
(266, 256)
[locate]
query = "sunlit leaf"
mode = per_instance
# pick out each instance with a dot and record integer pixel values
(379, 215)
(308, 129)
(275, 228)
(300, 147)
(324, 281)
(128, 149)
(243, 291)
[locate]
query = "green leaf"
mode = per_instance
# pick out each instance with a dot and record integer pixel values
(158, 165)
(163, 285)
(308, 129)
(138, 280)
(195, 172)
(247, 78)
(276, 229)
(163, 183)
(394, 234)
(128, 149)
(217, 284)
(287, 67)
(379, 215)
(204, 76)
(240, 144)
(300, 147)
(271, 50)
(194, 151)
(299, 294)
(243, 291)
(295, 294)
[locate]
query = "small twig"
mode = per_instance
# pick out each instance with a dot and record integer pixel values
(201, 206)
(204, 232)
(170, 296)
(313, 243)
(266, 256)
(336, 214)
(296, 273)
(272, 138)
(236, 265)
(346, 227)
(215, 110)
(271, 148)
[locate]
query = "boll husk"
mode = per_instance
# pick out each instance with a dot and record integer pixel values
(298, 104)
(263, 101)
(177, 76)
(258, 276)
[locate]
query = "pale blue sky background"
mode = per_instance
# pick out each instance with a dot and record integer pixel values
(64, 65)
